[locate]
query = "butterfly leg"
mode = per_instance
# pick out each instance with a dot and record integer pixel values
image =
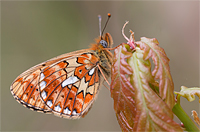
(103, 75)
(106, 86)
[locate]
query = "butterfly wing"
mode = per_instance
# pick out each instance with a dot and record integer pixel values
(68, 87)
(65, 85)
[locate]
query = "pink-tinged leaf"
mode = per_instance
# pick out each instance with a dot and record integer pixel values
(161, 71)
(121, 89)
(152, 113)
(189, 93)
(138, 107)
(195, 116)
(141, 97)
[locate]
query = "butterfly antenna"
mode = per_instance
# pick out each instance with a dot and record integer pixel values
(99, 16)
(109, 15)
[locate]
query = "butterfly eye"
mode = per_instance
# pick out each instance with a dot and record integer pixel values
(104, 43)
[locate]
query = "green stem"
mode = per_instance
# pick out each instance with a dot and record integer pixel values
(184, 118)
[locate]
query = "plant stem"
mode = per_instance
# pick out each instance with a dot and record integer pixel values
(184, 118)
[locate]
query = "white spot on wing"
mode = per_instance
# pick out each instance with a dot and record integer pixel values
(74, 112)
(69, 80)
(91, 71)
(67, 111)
(42, 76)
(49, 103)
(44, 95)
(42, 85)
(57, 108)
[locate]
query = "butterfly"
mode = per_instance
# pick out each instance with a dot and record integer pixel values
(66, 85)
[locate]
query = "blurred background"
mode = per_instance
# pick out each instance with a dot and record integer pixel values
(32, 32)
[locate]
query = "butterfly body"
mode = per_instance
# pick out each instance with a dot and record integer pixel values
(66, 85)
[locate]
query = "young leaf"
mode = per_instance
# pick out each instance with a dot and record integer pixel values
(135, 90)
(121, 89)
(195, 116)
(161, 70)
(152, 113)
(189, 93)
(137, 106)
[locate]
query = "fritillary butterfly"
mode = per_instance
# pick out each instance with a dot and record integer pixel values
(66, 85)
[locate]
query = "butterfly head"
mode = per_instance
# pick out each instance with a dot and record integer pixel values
(102, 42)
(106, 41)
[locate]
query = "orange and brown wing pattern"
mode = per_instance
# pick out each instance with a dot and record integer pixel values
(66, 85)
(26, 91)
(68, 88)
(25, 87)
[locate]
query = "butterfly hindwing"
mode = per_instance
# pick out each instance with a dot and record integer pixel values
(25, 88)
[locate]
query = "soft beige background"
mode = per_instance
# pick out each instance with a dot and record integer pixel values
(32, 32)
